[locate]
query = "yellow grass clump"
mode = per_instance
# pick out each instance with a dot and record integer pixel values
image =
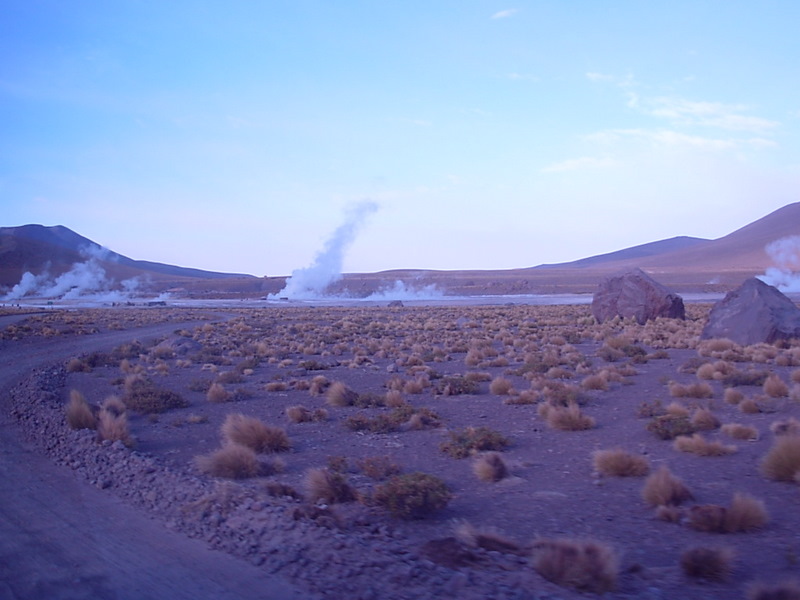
(217, 393)
(490, 467)
(782, 462)
(740, 432)
(232, 461)
(620, 463)
(664, 488)
(775, 387)
(79, 413)
(500, 386)
(254, 434)
(697, 444)
(567, 418)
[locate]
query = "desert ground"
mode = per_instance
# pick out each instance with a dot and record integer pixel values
(411, 452)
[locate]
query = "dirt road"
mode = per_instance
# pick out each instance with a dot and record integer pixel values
(61, 538)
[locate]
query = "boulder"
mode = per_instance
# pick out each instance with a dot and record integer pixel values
(635, 294)
(754, 312)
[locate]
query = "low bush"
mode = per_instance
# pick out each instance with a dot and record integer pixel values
(328, 486)
(490, 467)
(707, 563)
(217, 393)
(254, 434)
(378, 467)
(584, 565)
(338, 394)
(568, 418)
(456, 386)
(740, 432)
(412, 495)
(467, 441)
(620, 463)
(697, 444)
(232, 461)
(782, 462)
(144, 397)
(668, 427)
(663, 488)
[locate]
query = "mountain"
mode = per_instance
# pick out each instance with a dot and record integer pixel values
(37, 248)
(741, 250)
(634, 253)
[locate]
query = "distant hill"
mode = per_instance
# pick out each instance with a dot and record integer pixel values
(37, 248)
(634, 253)
(683, 263)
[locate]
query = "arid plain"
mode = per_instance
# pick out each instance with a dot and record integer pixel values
(373, 452)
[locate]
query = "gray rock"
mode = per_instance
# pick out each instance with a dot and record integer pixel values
(635, 294)
(754, 312)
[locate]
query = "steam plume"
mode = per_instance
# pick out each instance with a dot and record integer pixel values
(85, 280)
(310, 282)
(785, 274)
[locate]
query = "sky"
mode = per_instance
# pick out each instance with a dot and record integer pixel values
(235, 136)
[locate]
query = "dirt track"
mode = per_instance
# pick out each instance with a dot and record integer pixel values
(62, 538)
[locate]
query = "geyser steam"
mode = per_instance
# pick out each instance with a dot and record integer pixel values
(84, 280)
(785, 254)
(311, 281)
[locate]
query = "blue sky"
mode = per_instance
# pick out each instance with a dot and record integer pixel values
(235, 135)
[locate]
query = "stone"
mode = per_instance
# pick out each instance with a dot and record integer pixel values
(755, 312)
(635, 294)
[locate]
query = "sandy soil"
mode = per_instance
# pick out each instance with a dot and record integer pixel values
(356, 551)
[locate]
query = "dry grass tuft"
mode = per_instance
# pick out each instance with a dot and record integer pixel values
(217, 393)
(500, 386)
(733, 396)
(327, 486)
(79, 413)
(704, 420)
(774, 387)
(379, 467)
(585, 565)
(707, 563)
(594, 382)
(693, 390)
(568, 418)
(490, 467)
(254, 434)
(298, 414)
(697, 444)
(664, 488)
(620, 463)
(745, 514)
(114, 428)
(782, 462)
(338, 394)
(232, 461)
(740, 432)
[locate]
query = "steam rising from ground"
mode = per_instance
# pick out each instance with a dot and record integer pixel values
(310, 282)
(785, 254)
(85, 280)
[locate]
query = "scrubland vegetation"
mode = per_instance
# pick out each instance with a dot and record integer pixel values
(525, 421)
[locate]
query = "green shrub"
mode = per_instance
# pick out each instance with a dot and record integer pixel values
(473, 439)
(412, 495)
(144, 397)
(668, 427)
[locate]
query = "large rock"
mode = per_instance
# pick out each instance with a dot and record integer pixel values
(635, 294)
(754, 312)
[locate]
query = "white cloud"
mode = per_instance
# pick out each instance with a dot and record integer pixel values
(504, 14)
(576, 164)
(665, 137)
(705, 114)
